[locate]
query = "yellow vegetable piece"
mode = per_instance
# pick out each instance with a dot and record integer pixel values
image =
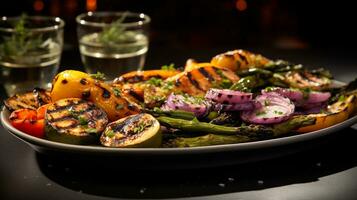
(337, 112)
(76, 84)
(239, 60)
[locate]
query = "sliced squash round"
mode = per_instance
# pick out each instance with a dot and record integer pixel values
(140, 130)
(74, 121)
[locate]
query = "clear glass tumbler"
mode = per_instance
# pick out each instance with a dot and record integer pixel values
(113, 43)
(30, 52)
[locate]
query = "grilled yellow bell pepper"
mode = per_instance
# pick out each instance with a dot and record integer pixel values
(76, 84)
(336, 113)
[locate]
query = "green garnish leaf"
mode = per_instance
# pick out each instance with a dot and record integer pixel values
(168, 85)
(225, 84)
(110, 133)
(99, 76)
(82, 120)
(116, 33)
(260, 113)
(278, 112)
(342, 98)
(266, 102)
(154, 81)
(21, 41)
(168, 67)
(119, 106)
(116, 92)
(141, 126)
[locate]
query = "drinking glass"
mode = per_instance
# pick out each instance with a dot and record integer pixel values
(30, 52)
(113, 43)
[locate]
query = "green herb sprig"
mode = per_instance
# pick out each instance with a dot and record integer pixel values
(21, 41)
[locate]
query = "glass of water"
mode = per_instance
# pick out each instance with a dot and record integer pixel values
(30, 51)
(113, 42)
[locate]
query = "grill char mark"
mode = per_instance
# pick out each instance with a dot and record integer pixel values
(203, 71)
(193, 81)
(136, 95)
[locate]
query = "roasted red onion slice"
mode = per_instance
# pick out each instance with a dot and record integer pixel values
(226, 96)
(234, 107)
(186, 103)
(275, 109)
(298, 97)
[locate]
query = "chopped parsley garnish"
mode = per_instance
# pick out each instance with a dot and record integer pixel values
(141, 126)
(266, 102)
(82, 120)
(306, 92)
(342, 98)
(269, 89)
(110, 133)
(119, 106)
(278, 112)
(168, 85)
(168, 67)
(225, 84)
(260, 113)
(116, 92)
(99, 76)
(155, 81)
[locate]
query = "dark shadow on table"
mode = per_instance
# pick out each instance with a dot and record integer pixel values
(319, 158)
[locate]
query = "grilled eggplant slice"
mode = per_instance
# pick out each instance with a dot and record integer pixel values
(141, 130)
(30, 100)
(74, 121)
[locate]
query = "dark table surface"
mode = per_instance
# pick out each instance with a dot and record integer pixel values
(325, 170)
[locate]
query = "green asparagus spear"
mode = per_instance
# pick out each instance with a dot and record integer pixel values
(172, 113)
(292, 124)
(206, 140)
(253, 131)
(245, 133)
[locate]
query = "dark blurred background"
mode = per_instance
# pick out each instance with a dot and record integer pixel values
(200, 29)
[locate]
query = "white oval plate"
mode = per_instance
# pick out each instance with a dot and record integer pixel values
(43, 144)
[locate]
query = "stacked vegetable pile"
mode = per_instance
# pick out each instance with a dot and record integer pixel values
(237, 97)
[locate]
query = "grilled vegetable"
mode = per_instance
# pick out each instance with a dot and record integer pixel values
(197, 126)
(140, 76)
(29, 121)
(30, 100)
(274, 109)
(206, 140)
(195, 83)
(141, 130)
(239, 60)
(336, 113)
(76, 84)
(300, 97)
(192, 64)
(198, 106)
(228, 96)
(248, 84)
(306, 79)
(231, 134)
(74, 121)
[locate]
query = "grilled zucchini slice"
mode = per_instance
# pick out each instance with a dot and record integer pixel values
(30, 100)
(74, 121)
(140, 130)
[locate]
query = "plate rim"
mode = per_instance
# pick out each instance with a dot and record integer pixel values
(31, 140)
